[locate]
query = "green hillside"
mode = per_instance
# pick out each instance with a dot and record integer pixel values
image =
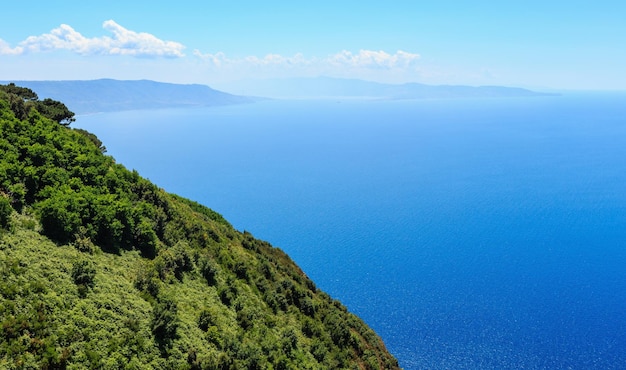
(102, 269)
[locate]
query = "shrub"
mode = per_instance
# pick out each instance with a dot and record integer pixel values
(306, 306)
(165, 321)
(148, 281)
(83, 273)
(5, 212)
(82, 242)
(206, 319)
(146, 239)
(209, 270)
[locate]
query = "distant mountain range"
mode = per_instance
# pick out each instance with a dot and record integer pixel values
(327, 87)
(108, 95)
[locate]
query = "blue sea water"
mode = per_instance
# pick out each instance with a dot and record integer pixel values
(470, 234)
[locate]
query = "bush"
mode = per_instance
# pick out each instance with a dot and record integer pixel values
(148, 281)
(307, 306)
(61, 215)
(207, 319)
(5, 212)
(146, 239)
(83, 273)
(82, 242)
(209, 270)
(165, 321)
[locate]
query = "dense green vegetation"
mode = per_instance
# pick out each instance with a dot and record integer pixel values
(102, 269)
(21, 100)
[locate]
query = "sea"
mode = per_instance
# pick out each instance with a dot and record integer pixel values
(468, 233)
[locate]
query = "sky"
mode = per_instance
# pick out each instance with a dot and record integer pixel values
(554, 44)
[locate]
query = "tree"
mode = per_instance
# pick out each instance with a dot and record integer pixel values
(17, 96)
(55, 110)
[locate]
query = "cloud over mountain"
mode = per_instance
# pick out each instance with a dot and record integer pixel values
(121, 42)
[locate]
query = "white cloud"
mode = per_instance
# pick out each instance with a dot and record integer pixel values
(6, 49)
(128, 42)
(221, 60)
(218, 59)
(364, 59)
(382, 66)
(366, 64)
(122, 42)
(374, 59)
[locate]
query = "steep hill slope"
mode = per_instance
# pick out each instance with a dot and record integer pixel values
(102, 269)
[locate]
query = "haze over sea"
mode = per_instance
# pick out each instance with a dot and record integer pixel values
(468, 233)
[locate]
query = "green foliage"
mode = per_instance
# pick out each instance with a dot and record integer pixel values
(165, 321)
(148, 281)
(173, 262)
(61, 214)
(82, 242)
(21, 92)
(5, 211)
(21, 100)
(56, 111)
(207, 319)
(208, 270)
(176, 287)
(93, 138)
(83, 273)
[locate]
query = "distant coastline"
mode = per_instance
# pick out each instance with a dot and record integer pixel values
(108, 95)
(339, 88)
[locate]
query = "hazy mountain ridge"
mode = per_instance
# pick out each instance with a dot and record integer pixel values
(106, 95)
(327, 87)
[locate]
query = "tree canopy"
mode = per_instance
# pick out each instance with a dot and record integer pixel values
(21, 100)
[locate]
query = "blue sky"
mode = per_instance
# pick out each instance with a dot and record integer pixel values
(552, 44)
